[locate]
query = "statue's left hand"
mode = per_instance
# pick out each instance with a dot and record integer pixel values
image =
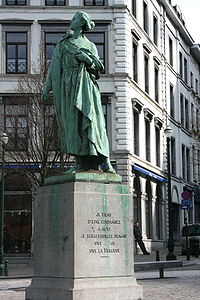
(83, 57)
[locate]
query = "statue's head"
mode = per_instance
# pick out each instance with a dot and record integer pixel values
(81, 20)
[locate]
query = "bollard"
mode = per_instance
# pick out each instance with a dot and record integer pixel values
(6, 268)
(157, 256)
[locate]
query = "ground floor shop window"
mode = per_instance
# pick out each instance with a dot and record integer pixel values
(17, 212)
(17, 224)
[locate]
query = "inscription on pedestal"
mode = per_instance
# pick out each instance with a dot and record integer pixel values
(104, 234)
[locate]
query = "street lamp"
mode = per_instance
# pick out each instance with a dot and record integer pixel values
(4, 141)
(170, 244)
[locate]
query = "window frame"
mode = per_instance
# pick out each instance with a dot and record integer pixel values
(183, 151)
(173, 156)
(104, 3)
(17, 28)
(146, 72)
(157, 143)
(182, 116)
(135, 59)
(46, 63)
(156, 83)
(148, 139)
(170, 43)
(181, 64)
(55, 1)
(185, 70)
(187, 114)
(16, 4)
(196, 86)
(16, 53)
(9, 101)
(145, 17)
(106, 99)
(134, 8)
(155, 29)
(172, 106)
(188, 168)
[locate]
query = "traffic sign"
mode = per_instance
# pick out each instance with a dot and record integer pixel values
(185, 204)
(185, 195)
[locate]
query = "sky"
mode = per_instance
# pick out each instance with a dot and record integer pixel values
(191, 11)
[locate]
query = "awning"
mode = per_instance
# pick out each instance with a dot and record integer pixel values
(149, 173)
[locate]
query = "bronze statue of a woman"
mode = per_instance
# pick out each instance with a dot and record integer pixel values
(72, 75)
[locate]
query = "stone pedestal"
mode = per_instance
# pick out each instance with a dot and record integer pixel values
(83, 243)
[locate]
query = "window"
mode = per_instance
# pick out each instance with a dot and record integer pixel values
(157, 133)
(16, 126)
(183, 161)
(170, 52)
(198, 164)
(188, 164)
(186, 114)
(182, 110)
(147, 140)
(191, 80)
(51, 129)
(94, 2)
(136, 132)
(15, 2)
(155, 30)
(17, 211)
(193, 163)
(192, 115)
(196, 86)
(185, 70)
(146, 73)
(51, 39)
(106, 106)
(16, 52)
(135, 62)
(145, 17)
(134, 11)
(55, 2)
(173, 156)
(181, 64)
(156, 83)
(197, 120)
(171, 91)
(98, 38)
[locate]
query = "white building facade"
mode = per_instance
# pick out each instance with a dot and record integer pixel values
(151, 80)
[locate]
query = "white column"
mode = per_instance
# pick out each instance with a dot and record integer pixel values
(35, 51)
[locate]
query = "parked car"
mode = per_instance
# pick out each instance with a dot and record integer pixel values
(193, 232)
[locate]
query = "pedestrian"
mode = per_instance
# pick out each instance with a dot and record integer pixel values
(138, 238)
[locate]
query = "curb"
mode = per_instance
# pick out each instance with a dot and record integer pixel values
(17, 277)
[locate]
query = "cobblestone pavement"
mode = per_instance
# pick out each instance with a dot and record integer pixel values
(13, 289)
(178, 285)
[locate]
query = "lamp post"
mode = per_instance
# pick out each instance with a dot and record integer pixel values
(170, 244)
(4, 141)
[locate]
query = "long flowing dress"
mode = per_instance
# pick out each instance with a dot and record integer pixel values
(77, 99)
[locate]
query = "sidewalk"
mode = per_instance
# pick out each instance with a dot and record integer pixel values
(25, 270)
(194, 262)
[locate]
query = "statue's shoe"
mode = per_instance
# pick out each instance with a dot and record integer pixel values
(109, 169)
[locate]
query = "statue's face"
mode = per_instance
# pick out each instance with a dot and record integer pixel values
(75, 22)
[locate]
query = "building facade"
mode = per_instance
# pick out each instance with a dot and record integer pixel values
(151, 80)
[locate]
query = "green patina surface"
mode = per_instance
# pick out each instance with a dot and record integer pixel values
(100, 177)
(72, 75)
(125, 207)
(54, 218)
